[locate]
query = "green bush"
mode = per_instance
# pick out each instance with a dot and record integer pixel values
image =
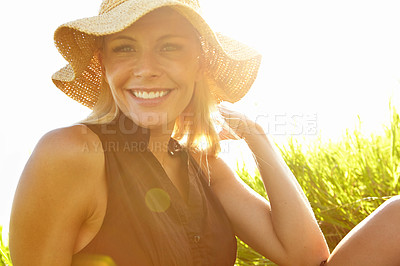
(344, 181)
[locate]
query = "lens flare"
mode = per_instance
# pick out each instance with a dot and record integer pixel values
(157, 200)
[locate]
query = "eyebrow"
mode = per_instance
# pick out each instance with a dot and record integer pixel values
(167, 36)
(123, 37)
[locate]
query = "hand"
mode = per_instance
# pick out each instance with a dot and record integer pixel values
(236, 125)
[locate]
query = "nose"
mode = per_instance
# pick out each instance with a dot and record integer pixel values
(146, 66)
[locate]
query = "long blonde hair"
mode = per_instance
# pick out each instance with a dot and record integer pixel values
(194, 128)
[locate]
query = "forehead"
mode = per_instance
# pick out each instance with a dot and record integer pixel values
(161, 20)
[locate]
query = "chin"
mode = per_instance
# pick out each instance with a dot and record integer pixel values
(153, 121)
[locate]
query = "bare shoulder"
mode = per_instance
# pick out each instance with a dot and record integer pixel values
(78, 140)
(71, 154)
(216, 167)
(62, 182)
(70, 159)
(226, 184)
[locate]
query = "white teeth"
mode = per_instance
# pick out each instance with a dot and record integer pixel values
(151, 95)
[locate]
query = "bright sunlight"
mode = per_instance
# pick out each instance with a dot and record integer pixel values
(324, 64)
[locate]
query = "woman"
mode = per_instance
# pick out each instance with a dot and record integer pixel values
(118, 189)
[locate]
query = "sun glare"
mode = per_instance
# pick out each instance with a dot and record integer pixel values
(327, 62)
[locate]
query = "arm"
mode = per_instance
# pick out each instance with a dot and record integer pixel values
(55, 198)
(284, 229)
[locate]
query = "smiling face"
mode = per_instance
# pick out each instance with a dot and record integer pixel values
(152, 66)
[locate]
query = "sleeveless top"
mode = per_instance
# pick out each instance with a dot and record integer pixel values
(147, 222)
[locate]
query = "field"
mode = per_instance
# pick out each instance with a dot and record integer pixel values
(344, 181)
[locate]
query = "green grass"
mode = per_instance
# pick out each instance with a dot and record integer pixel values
(5, 259)
(344, 181)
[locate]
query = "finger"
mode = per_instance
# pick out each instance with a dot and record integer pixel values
(228, 133)
(224, 110)
(223, 135)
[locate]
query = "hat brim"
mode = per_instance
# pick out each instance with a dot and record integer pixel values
(231, 66)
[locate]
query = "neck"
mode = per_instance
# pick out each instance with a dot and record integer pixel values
(158, 144)
(159, 139)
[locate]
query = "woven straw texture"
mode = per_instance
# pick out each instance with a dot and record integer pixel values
(231, 66)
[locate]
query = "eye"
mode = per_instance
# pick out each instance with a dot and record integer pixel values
(171, 47)
(124, 49)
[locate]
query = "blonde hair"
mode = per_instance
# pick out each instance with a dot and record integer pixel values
(105, 110)
(194, 128)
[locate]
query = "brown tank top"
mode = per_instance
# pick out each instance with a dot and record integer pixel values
(147, 222)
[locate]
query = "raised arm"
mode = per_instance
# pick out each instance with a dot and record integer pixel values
(58, 196)
(283, 229)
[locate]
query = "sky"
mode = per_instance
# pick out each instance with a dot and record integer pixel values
(325, 63)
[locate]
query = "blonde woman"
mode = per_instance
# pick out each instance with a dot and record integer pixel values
(139, 182)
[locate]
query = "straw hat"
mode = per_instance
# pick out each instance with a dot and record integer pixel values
(231, 66)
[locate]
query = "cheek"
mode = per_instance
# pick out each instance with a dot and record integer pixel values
(116, 78)
(189, 76)
(116, 72)
(186, 72)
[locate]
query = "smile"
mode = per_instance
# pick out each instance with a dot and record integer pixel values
(150, 95)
